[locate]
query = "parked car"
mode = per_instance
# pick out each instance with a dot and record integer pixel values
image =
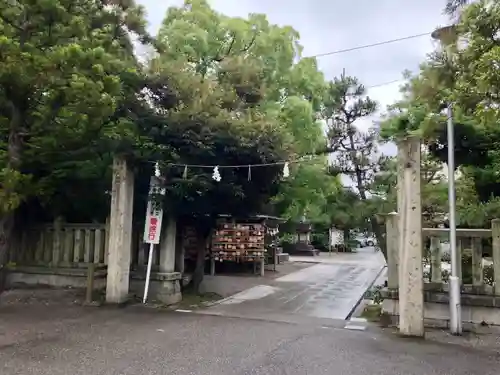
(365, 241)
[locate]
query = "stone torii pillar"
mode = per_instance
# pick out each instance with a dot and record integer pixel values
(120, 232)
(411, 301)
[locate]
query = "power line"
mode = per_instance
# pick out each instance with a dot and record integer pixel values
(409, 37)
(378, 85)
(383, 84)
(370, 45)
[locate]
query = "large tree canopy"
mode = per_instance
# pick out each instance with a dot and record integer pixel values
(68, 78)
(252, 104)
(216, 91)
(465, 75)
(66, 70)
(232, 93)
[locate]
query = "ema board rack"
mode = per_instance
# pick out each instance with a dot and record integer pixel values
(238, 242)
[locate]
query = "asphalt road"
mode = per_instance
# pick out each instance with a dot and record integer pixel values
(142, 341)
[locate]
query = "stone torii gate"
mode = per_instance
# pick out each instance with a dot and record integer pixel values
(120, 240)
(406, 227)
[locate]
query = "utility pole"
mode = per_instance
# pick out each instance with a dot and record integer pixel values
(447, 36)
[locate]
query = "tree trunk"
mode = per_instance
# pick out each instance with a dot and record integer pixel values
(179, 257)
(378, 230)
(199, 270)
(376, 227)
(14, 145)
(6, 229)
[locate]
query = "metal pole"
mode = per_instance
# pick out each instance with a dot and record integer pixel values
(454, 281)
(148, 272)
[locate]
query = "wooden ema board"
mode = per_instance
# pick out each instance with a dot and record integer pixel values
(238, 242)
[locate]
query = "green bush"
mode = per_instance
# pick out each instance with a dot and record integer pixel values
(488, 275)
(320, 241)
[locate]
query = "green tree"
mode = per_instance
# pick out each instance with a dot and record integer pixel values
(454, 7)
(356, 151)
(466, 76)
(65, 69)
(235, 97)
(310, 184)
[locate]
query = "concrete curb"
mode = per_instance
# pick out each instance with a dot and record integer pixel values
(363, 295)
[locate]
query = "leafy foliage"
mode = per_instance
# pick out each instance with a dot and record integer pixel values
(464, 73)
(67, 68)
(228, 96)
(355, 151)
(68, 83)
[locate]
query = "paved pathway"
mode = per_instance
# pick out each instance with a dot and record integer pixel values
(330, 289)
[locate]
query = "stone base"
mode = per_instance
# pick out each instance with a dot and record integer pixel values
(437, 314)
(163, 287)
(300, 248)
(54, 277)
(283, 257)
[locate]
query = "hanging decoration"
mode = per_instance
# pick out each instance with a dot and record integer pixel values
(286, 170)
(216, 174)
(157, 170)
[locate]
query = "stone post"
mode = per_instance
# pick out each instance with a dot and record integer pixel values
(400, 195)
(58, 239)
(392, 240)
(120, 232)
(167, 245)
(168, 288)
(495, 232)
(460, 251)
(477, 262)
(411, 301)
(436, 273)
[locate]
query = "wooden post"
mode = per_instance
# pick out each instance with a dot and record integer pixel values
(436, 273)
(495, 231)
(411, 301)
(275, 257)
(90, 283)
(212, 266)
(477, 262)
(392, 243)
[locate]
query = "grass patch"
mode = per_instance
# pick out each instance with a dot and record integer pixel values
(372, 312)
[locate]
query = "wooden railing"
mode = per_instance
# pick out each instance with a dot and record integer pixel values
(478, 252)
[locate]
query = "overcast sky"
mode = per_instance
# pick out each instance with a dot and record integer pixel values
(333, 25)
